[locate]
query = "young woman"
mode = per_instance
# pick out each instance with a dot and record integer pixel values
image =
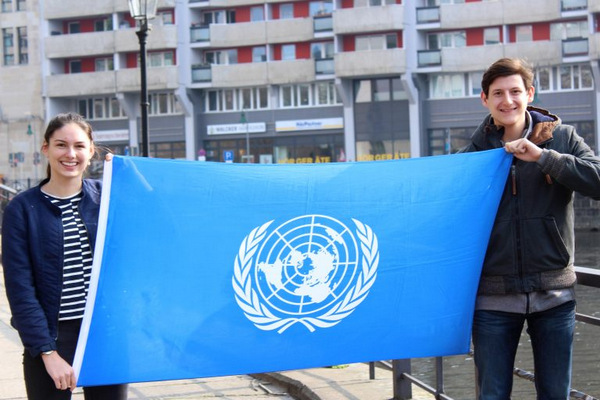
(48, 235)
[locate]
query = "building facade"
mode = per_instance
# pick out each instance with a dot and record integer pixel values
(287, 81)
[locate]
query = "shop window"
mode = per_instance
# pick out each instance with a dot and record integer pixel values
(446, 86)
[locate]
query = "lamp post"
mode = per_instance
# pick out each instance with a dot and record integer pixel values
(143, 10)
(244, 121)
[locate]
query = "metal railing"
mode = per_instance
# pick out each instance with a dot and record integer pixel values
(401, 369)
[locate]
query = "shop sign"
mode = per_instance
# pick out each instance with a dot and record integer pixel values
(382, 156)
(309, 124)
(111, 136)
(232, 129)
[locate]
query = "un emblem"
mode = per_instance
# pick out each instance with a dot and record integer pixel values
(312, 270)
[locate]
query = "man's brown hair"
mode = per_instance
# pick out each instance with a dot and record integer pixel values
(507, 67)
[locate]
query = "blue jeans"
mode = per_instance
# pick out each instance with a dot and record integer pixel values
(496, 337)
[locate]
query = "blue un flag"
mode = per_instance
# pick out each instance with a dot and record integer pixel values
(208, 269)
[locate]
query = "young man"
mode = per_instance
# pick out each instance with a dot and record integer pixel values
(528, 270)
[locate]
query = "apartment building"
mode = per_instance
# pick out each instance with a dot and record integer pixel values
(22, 116)
(290, 81)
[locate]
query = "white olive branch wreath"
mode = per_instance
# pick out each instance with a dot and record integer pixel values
(264, 319)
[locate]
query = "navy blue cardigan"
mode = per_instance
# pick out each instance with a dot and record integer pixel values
(32, 259)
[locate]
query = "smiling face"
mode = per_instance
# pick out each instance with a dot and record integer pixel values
(507, 101)
(69, 152)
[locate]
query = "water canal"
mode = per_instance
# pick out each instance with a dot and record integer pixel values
(459, 374)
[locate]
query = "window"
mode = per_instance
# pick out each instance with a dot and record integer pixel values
(381, 90)
(302, 95)
(221, 57)
(7, 6)
(23, 45)
(218, 17)
(257, 13)
(447, 85)
(475, 83)
(100, 108)
(161, 59)
(286, 11)
(75, 66)
(288, 52)
(104, 24)
(372, 3)
(325, 93)
(524, 33)
(253, 98)
(165, 17)
(575, 77)
(21, 5)
(228, 100)
(8, 46)
(104, 64)
(543, 79)
(172, 150)
(320, 8)
(491, 36)
(568, 30)
(163, 103)
(381, 2)
(259, 54)
(436, 41)
(74, 27)
(376, 42)
(295, 95)
(386, 89)
(321, 50)
(449, 140)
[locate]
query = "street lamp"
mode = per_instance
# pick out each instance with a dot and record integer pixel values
(244, 121)
(143, 10)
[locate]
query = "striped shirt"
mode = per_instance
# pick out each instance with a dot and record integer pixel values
(77, 266)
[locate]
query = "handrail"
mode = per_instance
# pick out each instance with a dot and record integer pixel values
(401, 369)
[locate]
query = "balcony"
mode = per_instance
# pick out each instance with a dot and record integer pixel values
(325, 66)
(159, 78)
(537, 11)
(289, 30)
(107, 42)
(292, 71)
(81, 44)
(241, 34)
(429, 58)
(201, 73)
(84, 84)
(575, 47)
(480, 57)
(234, 3)
(322, 23)
(460, 16)
(62, 9)
(428, 15)
(538, 52)
(573, 5)
(256, 74)
(368, 19)
(110, 82)
(199, 34)
(161, 37)
(372, 62)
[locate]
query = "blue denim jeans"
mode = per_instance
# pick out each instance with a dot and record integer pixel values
(496, 337)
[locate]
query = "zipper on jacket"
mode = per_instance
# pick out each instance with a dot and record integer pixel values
(513, 175)
(516, 215)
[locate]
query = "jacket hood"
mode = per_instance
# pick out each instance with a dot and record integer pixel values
(488, 135)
